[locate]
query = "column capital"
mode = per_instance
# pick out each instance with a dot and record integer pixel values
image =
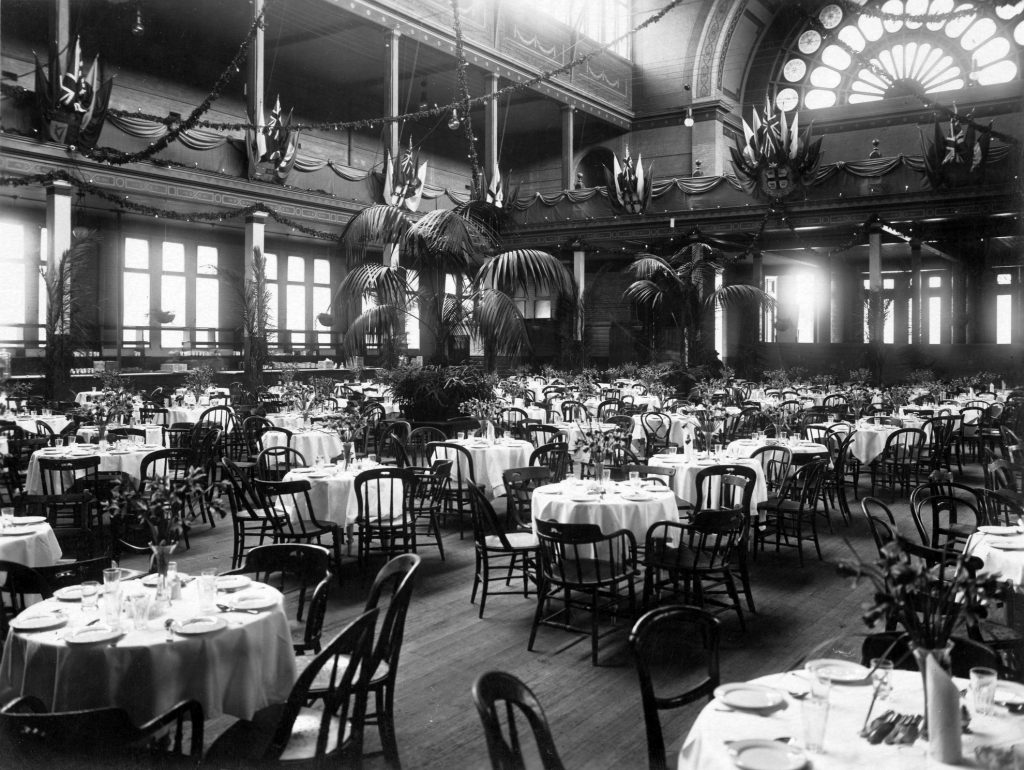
(257, 218)
(58, 187)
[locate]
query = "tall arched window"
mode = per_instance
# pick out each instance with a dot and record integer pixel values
(844, 55)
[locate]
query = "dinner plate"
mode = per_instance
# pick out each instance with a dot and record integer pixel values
(256, 601)
(120, 451)
(988, 529)
(203, 624)
(28, 521)
(583, 498)
(153, 578)
(93, 635)
(151, 446)
(744, 695)
(52, 450)
(1008, 693)
(637, 498)
(68, 594)
(767, 755)
(40, 622)
(838, 671)
(301, 470)
(17, 531)
(1015, 544)
(233, 582)
(318, 475)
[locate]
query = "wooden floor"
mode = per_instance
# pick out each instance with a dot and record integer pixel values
(594, 711)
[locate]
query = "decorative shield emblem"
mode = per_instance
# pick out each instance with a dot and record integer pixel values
(775, 181)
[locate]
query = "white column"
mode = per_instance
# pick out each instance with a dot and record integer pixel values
(254, 85)
(579, 271)
(875, 321)
(568, 149)
(491, 130)
(255, 230)
(392, 36)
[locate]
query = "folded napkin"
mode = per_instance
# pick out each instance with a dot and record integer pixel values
(944, 723)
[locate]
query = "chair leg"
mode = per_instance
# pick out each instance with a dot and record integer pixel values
(593, 627)
(386, 725)
(542, 591)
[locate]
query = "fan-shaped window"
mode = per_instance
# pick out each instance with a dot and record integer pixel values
(906, 48)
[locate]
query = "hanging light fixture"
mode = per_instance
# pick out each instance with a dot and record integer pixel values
(138, 28)
(688, 120)
(454, 121)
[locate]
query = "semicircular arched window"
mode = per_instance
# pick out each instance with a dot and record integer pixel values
(843, 55)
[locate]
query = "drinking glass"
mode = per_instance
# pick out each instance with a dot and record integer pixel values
(507, 435)
(634, 478)
(207, 588)
(112, 595)
(90, 596)
(983, 689)
(6, 518)
(371, 460)
(606, 477)
(783, 436)
(883, 668)
(815, 715)
(671, 450)
(138, 607)
(460, 436)
(718, 451)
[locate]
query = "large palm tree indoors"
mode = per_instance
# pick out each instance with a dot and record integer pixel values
(448, 276)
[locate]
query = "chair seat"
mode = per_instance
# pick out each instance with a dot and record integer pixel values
(520, 541)
(671, 559)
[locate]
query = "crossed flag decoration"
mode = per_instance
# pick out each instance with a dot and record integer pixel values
(71, 101)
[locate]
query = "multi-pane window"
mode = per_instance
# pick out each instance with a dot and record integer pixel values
(300, 289)
(851, 56)
(207, 295)
(933, 309)
(135, 291)
(887, 308)
(771, 288)
(600, 20)
(806, 293)
(172, 295)
(12, 292)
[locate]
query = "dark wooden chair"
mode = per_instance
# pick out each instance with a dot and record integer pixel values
(496, 689)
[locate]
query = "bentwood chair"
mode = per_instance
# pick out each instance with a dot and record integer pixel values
(500, 555)
(31, 736)
(519, 486)
(321, 723)
(792, 518)
(298, 565)
(249, 518)
(385, 518)
(579, 567)
(497, 688)
(675, 650)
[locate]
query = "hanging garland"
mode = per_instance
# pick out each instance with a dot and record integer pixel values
(177, 126)
(432, 112)
(463, 88)
(875, 11)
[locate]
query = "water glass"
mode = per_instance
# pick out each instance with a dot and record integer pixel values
(6, 518)
(671, 450)
(507, 435)
(371, 460)
(138, 607)
(207, 587)
(815, 715)
(718, 451)
(112, 594)
(460, 436)
(606, 477)
(90, 596)
(882, 676)
(983, 689)
(634, 478)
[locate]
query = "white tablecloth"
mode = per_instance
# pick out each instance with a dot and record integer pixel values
(746, 447)
(238, 670)
(704, 747)
(684, 482)
(38, 549)
(869, 443)
(332, 493)
(611, 511)
(154, 433)
(85, 396)
(311, 443)
(681, 427)
(184, 414)
(128, 461)
(491, 460)
(1005, 562)
(57, 422)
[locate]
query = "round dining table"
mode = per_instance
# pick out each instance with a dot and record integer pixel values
(1001, 550)
(127, 460)
(154, 433)
(312, 443)
(615, 506)
(332, 492)
(56, 422)
(802, 451)
(713, 739)
(233, 663)
(33, 545)
(491, 460)
(687, 466)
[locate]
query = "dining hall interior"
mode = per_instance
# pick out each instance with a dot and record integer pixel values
(508, 383)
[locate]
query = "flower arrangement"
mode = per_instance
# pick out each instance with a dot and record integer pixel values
(776, 378)
(199, 380)
(860, 376)
(163, 506)
(349, 424)
(599, 443)
(711, 423)
(110, 403)
(14, 391)
(482, 408)
(928, 603)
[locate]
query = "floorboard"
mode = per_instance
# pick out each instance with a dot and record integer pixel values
(594, 711)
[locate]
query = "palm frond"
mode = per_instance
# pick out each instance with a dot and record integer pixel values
(500, 324)
(741, 294)
(382, 321)
(645, 293)
(491, 219)
(444, 238)
(529, 271)
(652, 267)
(379, 223)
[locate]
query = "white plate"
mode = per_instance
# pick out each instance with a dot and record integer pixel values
(153, 578)
(634, 498)
(68, 594)
(767, 755)
(1009, 692)
(151, 446)
(742, 695)
(988, 529)
(93, 635)
(319, 475)
(1016, 544)
(120, 452)
(838, 671)
(17, 531)
(258, 601)
(39, 622)
(583, 498)
(233, 582)
(28, 521)
(301, 470)
(203, 624)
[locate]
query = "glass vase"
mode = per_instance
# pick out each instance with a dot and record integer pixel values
(158, 563)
